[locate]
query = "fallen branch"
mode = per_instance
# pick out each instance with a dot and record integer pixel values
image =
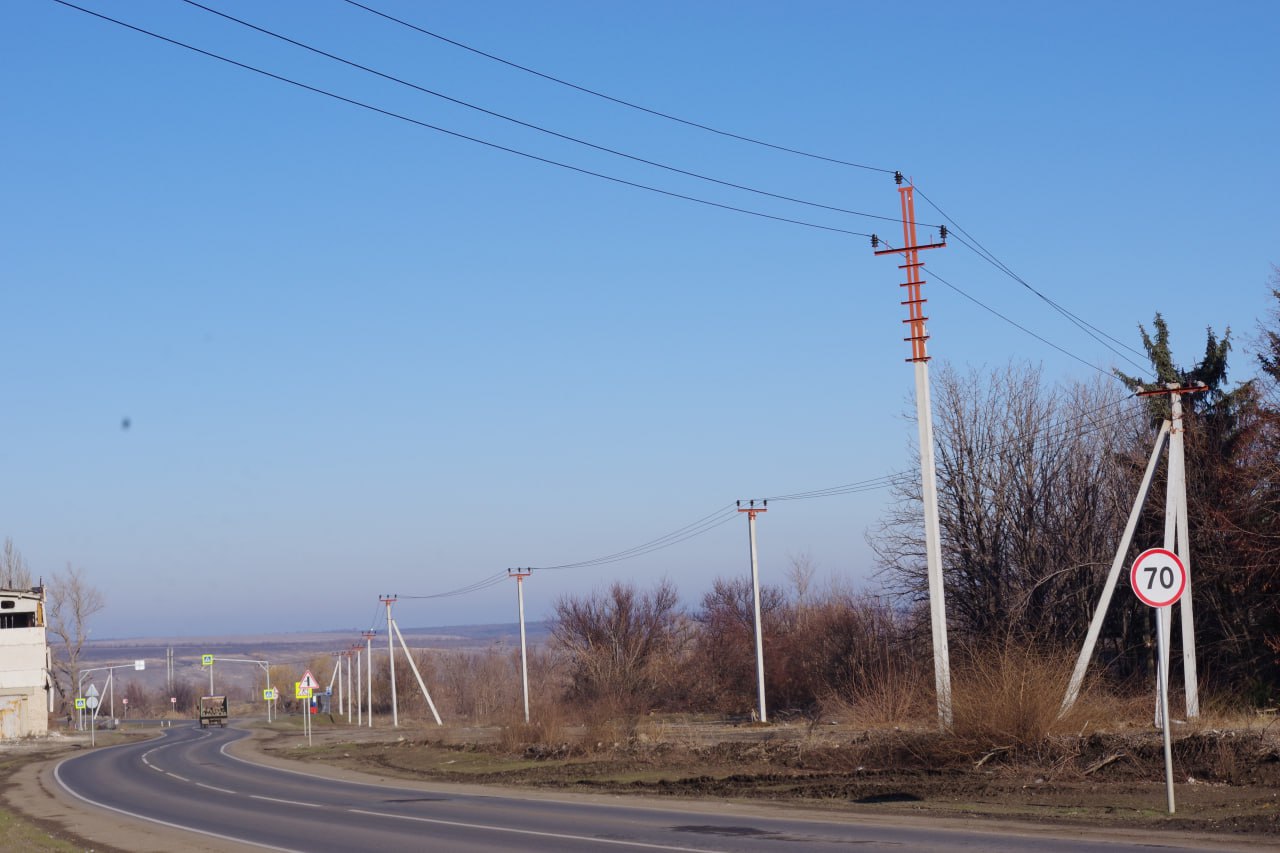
(1110, 759)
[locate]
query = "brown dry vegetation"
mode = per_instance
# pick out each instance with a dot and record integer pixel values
(875, 745)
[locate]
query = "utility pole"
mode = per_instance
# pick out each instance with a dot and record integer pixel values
(752, 510)
(360, 701)
(924, 417)
(520, 575)
(368, 672)
(391, 659)
(350, 695)
(337, 676)
(1176, 539)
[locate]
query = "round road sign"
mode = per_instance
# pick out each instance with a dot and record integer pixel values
(1158, 577)
(91, 702)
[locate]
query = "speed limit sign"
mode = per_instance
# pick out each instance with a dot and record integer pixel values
(1158, 577)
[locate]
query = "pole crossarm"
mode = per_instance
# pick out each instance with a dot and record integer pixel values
(910, 251)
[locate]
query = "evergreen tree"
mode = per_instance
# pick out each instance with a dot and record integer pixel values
(1233, 583)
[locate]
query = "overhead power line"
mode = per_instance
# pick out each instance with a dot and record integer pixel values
(1079, 424)
(970, 242)
(531, 126)
(703, 525)
(483, 583)
(933, 274)
(545, 160)
(620, 101)
(457, 135)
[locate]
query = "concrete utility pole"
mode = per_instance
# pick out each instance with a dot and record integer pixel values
(360, 684)
(391, 660)
(1176, 540)
(350, 695)
(752, 510)
(924, 418)
(520, 575)
(368, 672)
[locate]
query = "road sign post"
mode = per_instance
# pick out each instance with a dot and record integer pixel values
(302, 690)
(207, 660)
(91, 702)
(1158, 578)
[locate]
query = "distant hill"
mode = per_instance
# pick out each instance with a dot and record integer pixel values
(287, 649)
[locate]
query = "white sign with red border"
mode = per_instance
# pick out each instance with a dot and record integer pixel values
(1158, 577)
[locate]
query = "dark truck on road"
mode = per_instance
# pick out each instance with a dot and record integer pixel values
(213, 711)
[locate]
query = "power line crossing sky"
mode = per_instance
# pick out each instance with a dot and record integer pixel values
(356, 354)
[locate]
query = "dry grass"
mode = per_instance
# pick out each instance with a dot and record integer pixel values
(1011, 696)
(547, 727)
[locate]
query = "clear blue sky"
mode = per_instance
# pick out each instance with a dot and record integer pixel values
(361, 357)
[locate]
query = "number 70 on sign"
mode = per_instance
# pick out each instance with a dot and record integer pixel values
(1158, 577)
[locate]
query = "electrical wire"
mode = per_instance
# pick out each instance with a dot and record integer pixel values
(536, 127)
(615, 100)
(567, 166)
(720, 517)
(933, 274)
(457, 135)
(1089, 329)
(848, 488)
(1064, 428)
(964, 238)
(477, 586)
(703, 525)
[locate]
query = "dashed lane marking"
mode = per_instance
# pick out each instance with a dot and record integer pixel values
(286, 802)
(561, 836)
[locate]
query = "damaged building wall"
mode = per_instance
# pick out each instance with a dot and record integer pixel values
(24, 695)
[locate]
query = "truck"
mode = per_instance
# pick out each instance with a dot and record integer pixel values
(213, 711)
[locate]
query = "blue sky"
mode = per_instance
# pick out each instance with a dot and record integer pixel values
(360, 357)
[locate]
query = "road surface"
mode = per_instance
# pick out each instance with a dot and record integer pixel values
(187, 780)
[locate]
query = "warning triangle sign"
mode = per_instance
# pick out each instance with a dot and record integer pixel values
(309, 681)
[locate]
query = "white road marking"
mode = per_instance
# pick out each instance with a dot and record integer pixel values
(214, 788)
(57, 774)
(286, 802)
(176, 776)
(589, 839)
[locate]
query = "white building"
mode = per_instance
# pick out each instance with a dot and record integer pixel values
(24, 658)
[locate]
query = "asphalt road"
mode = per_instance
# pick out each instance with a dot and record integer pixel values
(187, 780)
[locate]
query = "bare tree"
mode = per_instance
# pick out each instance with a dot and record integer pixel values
(1033, 490)
(801, 573)
(724, 657)
(14, 572)
(622, 646)
(72, 601)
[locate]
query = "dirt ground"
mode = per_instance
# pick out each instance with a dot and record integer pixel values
(1227, 782)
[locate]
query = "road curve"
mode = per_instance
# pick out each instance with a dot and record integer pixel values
(186, 780)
